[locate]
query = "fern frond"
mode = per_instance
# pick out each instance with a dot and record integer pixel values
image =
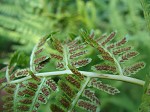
(28, 87)
(114, 53)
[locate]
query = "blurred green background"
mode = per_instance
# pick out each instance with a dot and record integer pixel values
(23, 22)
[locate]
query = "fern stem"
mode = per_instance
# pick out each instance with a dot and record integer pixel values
(37, 93)
(115, 77)
(15, 97)
(119, 67)
(65, 50)
(31, 59)
(88, 74)
(7, 74)
(79, 94)
(116, 61)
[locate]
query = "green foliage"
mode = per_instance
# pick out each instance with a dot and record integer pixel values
(145, 105)
(28, 88)
(146, 8)
(23, 22)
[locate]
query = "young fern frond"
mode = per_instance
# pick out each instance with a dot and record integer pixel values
(68, 89)
(113, 55)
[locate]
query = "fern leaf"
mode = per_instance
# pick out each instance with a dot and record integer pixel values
(38, 51)
(87, 106)
(128, 56)
(121, 50)
(22, 73)
(91, 96)
(134, 68)
(56, 56)
(104, 87)
(75, 55)
(78, 47)
(73, 81)
(104, 67)
(56, 108)
(81, 63)
(109, 38)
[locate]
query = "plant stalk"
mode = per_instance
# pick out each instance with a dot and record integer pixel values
(88, 74)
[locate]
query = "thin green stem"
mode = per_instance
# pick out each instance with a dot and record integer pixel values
(116, 62)
(31, 59)
(37, 93)
(88, 74)
(7, 74)
(65, 51)
(79, 94)
(15, 97)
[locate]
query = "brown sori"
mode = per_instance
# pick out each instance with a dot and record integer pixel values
(78, 74)
(41, 64)
(108, 58)
(82, 62)
(35, 77)
(45, 91)
(55, 108)
(121, 42)
(121, 50)
(73, 44)
(134, 68)
(78, 54)
(28, 92)
(11, 69)
(104, 87)
(67, 89)
(105, 68)
(42, 42)
(110, 46)
(23, 107)
(56, 56)
(86, 105)
(32, 85)
(23, 72)
(91, 96)
(59, 65)
(2, 80)
(101, 38)
(73, 81)
(3, 69)
(128, 56)
(51, 84)
(39, 60)
(38, 51)
(109, 38)
(26, 101)
(76, 48)
(65, 102)
(37, 105)
(42, 99)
